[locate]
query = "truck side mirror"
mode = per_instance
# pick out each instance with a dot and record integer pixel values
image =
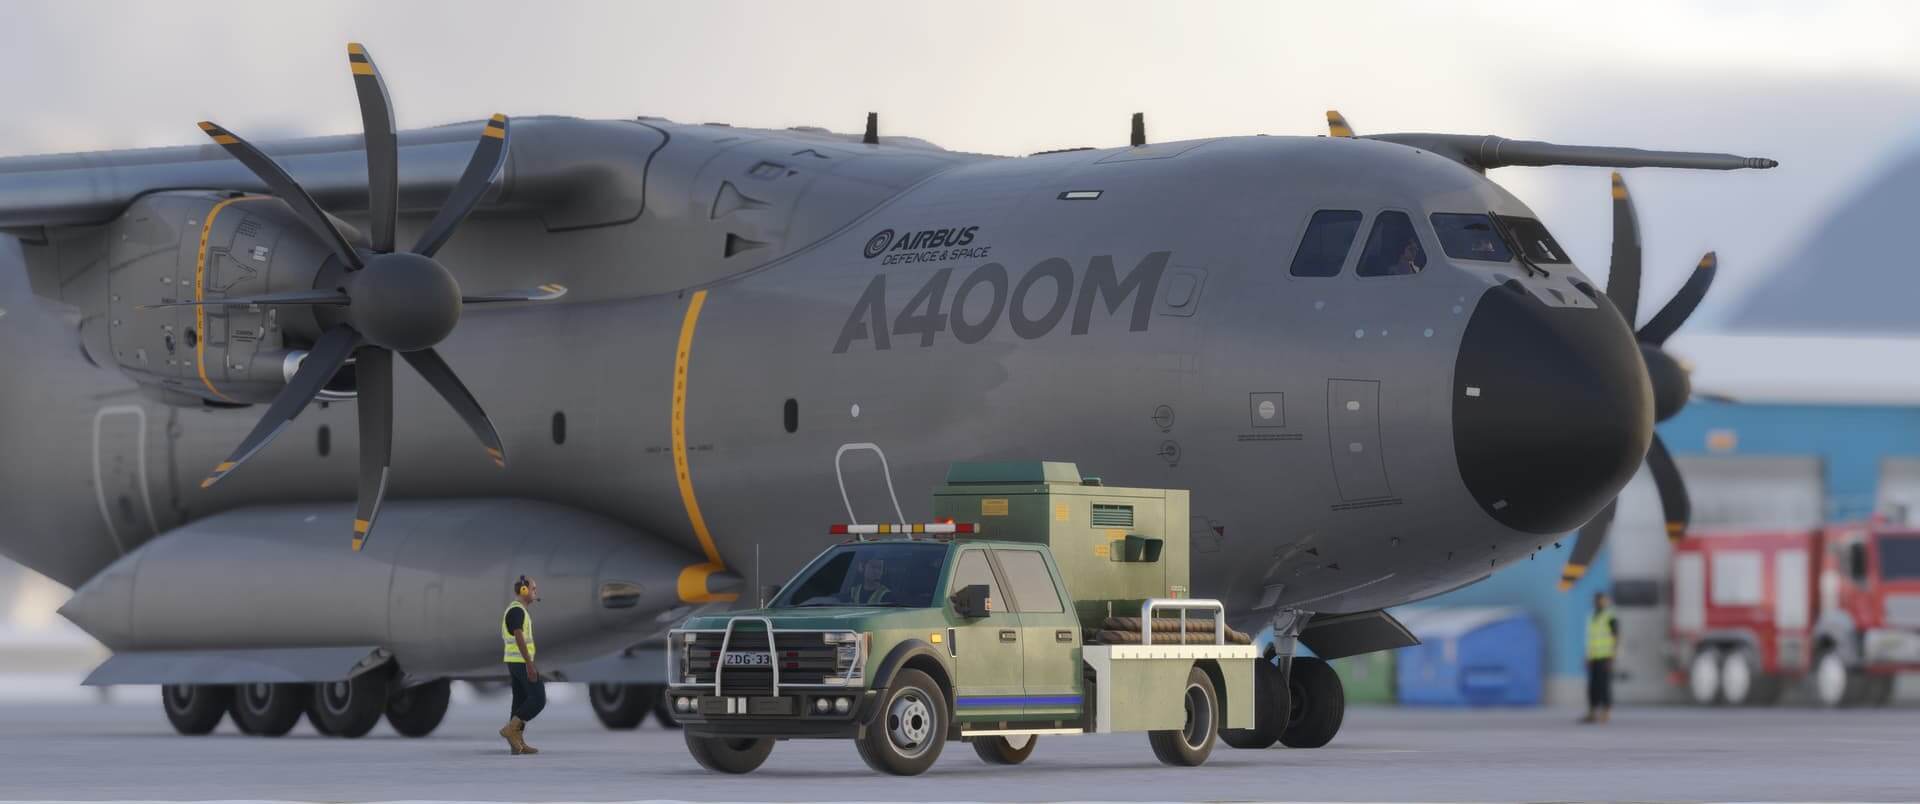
(972, 602)
(1857, 560)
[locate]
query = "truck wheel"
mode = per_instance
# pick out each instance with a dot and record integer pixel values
(350, 708)
(268, 710)
(1191, 744)
(1743, 682)
(1270, 709)
(416, 711)
(195, 709)
(1703, 676)
(1319, 704)
(729, 754)
(912, 727)
(1834, 684)
(1005, 750)
(620, 706)
(1879, 690)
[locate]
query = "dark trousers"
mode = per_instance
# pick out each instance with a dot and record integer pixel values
(1600, 683)
(529, 696)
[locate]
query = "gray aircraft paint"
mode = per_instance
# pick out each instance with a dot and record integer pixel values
(1322, 506)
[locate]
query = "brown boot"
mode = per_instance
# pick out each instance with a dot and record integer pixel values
(512, 731)
(524, 748)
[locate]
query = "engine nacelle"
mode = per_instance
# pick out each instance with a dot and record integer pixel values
(183, 246)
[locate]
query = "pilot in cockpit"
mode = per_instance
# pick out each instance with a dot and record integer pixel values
(1411, 258)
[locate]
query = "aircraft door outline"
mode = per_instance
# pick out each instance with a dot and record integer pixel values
(139, 474)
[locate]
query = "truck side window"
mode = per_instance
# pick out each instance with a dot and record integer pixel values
(973, 569)
(1323, 249)
(1032, 584)
(1392, 249)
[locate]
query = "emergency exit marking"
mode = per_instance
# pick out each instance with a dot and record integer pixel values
(993, 506)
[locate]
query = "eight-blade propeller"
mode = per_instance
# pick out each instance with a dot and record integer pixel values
(387, 301)
(1671, 385)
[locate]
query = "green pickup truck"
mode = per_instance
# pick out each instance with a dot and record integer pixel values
(1064, 613)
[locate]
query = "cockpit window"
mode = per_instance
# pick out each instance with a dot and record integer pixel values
(1324, 247)
(1392, 248)
(1534, 240)
(1469, 237)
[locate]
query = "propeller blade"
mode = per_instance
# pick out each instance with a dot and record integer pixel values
(373, 377)
(430, 365)
(1716, 396)
(383, 146)
(1587, 545)
(488, 157)
(547, 292)
(1337, 124)
(294, 297)
(1664, 323)
(328, 355)
(1623, 278)
(1674, 503)
(287, 190)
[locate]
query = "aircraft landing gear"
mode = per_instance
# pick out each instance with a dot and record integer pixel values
(1298, 702)
(1319, 704)
(350, 708)
(622, 706)
(195, 708)
(1271, 705)
(269, 710)
(416, 711)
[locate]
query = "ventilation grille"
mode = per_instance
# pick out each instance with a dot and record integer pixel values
(1112, 516)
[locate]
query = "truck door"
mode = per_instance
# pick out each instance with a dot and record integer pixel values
(1049, 634)
(987, 665)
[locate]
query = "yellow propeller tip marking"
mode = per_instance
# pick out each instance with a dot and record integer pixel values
(360, 526)
(208, 483)
(1565, 584)
(358, 543)
(499, 118)
(1337, 124)
(356, 49)
(362, 68)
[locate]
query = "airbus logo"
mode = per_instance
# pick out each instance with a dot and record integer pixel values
(878, 243)
(926, 245)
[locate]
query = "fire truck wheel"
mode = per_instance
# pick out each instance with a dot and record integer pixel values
(195, 708)
(269, 710)
(1319, 704)
(1834, 684)
(1703, 676)
(729, 754)
(1879, 690)
(1271, 707)
(1191, 744)
(621, 706)
(911, 728)
(1743, 682)
(1005, 750)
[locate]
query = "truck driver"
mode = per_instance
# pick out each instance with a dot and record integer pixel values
(869, 591)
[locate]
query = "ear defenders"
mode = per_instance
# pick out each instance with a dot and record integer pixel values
(520, 586)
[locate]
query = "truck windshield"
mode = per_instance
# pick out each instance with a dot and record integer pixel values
(1900, 558)
(887, 574)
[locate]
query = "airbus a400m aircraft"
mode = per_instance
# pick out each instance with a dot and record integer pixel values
(1376, 371)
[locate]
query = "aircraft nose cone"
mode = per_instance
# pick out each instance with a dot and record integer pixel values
(1552, 409)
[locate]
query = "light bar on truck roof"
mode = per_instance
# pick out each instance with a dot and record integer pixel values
(948, 528)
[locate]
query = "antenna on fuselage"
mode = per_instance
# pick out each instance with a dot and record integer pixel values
(1139, 137)
(872, 137)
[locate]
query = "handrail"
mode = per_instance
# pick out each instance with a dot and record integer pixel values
(1183, 604)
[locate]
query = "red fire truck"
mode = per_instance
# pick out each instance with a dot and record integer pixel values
(1838, 606)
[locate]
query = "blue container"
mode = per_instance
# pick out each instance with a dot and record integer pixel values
(1482, 656)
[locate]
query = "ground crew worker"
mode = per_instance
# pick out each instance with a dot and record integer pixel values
(529, 693)
(870, 591)
(1603, 636)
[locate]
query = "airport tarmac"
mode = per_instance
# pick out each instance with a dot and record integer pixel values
(126, 751)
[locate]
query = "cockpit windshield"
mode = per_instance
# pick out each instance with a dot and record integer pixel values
(889, 574)
(1469, 237)
(1534, 241)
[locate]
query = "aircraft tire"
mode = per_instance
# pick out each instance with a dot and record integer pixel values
(1190, 745)
(621, 706)
(195, 709)
(268, 710)
(729, 754)
(1270, 709)
(663, 710)
(911, 728)
(1005, 750)
(353, 707)
(416, 711)
(1318, 705)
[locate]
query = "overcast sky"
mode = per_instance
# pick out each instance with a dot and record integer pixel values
(1830, 89)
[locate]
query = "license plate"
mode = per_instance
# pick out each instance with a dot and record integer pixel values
(747, 660)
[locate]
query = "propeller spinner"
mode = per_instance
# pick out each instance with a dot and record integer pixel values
(1671, 386)
(387, 301)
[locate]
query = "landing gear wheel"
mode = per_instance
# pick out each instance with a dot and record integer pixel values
(1703, 676)
(622, 706)
(195, 708)
(1191, 744)
(1834, 684)
(663, 710)
(268, 710)
(1005, 750)
(912, 727)
(416, 711)
(729, 754)
(1743, 682)
(1271, 705)
(353, 707)
(1319, 704)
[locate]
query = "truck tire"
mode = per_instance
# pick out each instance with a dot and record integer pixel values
(621, 706)
(729, 754)
(1191, 744)
(910, 729)
(1319, 704)
(350, 708)
(1271, 707)
(416, 711)
(269, 710)
(195, 709)
(1703, 676)
(1744, 682)
(1879, 691)
(1005, 750)
(1834, 683)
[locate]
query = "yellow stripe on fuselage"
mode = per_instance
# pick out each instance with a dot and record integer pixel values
(693, 579)
(199, 288)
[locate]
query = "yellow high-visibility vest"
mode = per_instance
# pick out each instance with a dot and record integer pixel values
(1600, 638)
(526, 628)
